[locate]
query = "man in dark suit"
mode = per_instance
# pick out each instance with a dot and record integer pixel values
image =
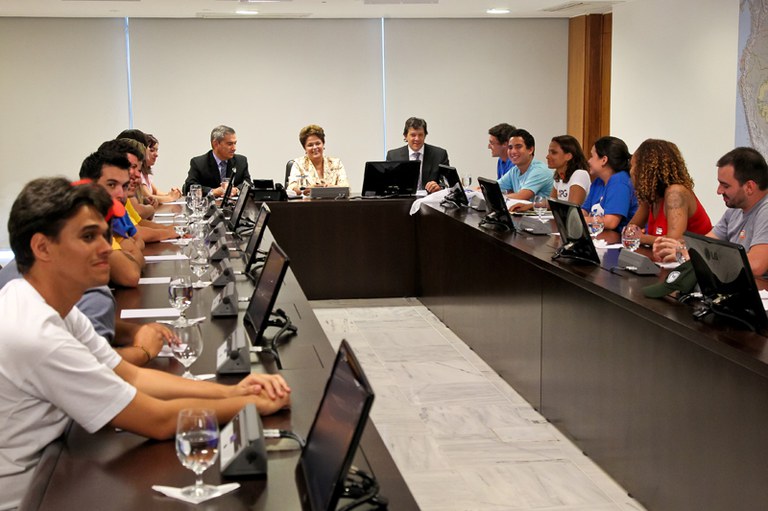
(221, 161)
(431, 157)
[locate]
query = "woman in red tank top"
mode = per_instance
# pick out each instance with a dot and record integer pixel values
(668, 206)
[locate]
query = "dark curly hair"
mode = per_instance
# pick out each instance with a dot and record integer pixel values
(658, 164)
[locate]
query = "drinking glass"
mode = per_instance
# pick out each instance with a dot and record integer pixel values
(188, 347)
(596, 225)
(180, 223)
(191, 199)
(197, 446)
(180, 295)
(630, 237)
(540, 205)
(198, 261)
(681, 252)
(466, 181)
(198, 228)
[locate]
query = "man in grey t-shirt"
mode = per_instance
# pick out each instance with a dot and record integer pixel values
(742, 175)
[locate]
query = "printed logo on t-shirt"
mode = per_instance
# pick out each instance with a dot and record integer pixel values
(743, 234)
(562, 194)
(659, 231)
(597, 209)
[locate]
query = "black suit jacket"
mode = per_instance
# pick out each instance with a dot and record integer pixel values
(433, 157)
(204, 171)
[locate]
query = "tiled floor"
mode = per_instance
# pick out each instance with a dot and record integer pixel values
(461, 436)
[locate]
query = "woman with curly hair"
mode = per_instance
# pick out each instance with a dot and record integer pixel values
(315, 168)
(668, 206)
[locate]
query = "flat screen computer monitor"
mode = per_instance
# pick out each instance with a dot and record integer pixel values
(497, 215)
(390, 178)
(451, 180)
(239, 209)
(251, 251)
(263, 184)
(726, 281)
(576, 241)
(226, 200)
(335, 433)
(265, 294)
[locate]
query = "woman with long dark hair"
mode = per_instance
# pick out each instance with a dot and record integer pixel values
(611, 193)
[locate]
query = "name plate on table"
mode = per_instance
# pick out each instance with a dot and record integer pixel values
(241, 448)
(534, 226)
(224, 305)
(215, 219)
(233, 356)
(219, 250)
(223, 275)
(637, 263)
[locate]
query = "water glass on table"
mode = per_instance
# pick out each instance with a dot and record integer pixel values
(180, 224)
(180, 296)
(198, 261)
(630, 237)
(188, 346)
(596, 225)
(540, 206)
(197, 446)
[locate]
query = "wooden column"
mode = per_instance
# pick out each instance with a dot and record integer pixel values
(589, 77)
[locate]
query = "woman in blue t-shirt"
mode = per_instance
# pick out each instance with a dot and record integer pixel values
(611, 193)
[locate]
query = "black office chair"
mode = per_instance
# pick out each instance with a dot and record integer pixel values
(288, 167)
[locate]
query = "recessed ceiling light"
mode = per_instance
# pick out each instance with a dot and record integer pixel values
(497, 11)
(247, 12)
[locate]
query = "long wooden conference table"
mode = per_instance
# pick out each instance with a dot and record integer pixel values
(674, 409)
(113, 470)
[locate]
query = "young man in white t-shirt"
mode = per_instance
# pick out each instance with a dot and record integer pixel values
(54, 366)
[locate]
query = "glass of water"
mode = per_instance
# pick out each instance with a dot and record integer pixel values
(540, 206)
(188, 346)
(630, 237)
(198, 261)
(180, 295)
(180, 223)
(596, 225)
(197, 446)
(466, 181)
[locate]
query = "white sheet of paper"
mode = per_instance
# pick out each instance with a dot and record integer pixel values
(164, 214)
(165, 257)
(154, 280)
(165, 312)
(764, 298)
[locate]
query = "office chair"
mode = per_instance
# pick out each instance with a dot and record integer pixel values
(288, 167)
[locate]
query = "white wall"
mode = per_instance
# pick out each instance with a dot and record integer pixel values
(464, 76)
(63, 89)
(266, 79)
(674, 76)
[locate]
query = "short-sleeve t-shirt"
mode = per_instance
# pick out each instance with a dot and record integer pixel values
(52, 369)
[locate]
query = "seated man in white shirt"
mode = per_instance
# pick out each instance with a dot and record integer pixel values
(54, 366)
